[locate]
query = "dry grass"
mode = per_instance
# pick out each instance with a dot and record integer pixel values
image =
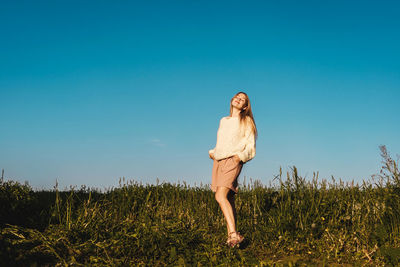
(295, 223)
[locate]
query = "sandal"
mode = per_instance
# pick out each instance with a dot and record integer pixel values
(234, 241)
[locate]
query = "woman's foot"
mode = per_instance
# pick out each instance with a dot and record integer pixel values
(234, 239)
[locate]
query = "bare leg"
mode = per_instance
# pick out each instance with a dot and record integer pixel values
(229, 211)
(231, 199)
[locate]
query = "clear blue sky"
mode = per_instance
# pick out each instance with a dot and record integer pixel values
(91, 91)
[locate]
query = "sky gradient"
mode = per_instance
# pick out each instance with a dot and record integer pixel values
(91, 92)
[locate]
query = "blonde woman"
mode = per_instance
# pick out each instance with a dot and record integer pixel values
(236, 144)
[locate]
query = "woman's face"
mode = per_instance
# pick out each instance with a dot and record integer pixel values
(239, 101)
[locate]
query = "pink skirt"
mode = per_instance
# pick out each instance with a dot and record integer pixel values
(225, 173)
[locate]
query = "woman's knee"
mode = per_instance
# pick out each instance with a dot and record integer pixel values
(221, 196)
(217, 197)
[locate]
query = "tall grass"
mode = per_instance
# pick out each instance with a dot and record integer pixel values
(294, 222)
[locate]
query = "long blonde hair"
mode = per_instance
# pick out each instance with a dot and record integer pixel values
(246, 113)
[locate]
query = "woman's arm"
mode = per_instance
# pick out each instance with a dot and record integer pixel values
(249, 150)
(212, 151)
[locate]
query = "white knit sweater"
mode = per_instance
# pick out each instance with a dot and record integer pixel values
(231, 140)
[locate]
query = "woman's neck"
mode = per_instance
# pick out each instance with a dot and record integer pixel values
(235, 112)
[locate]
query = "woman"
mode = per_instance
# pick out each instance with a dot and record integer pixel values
(235, 146)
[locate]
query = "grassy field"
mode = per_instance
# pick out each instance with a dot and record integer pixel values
(294, 223)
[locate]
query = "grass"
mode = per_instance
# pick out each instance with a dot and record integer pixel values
(294, 223)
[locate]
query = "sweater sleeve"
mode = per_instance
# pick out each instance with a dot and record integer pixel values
(249, 150)
(212, 151)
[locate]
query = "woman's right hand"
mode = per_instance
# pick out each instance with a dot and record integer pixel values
(211, 155)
